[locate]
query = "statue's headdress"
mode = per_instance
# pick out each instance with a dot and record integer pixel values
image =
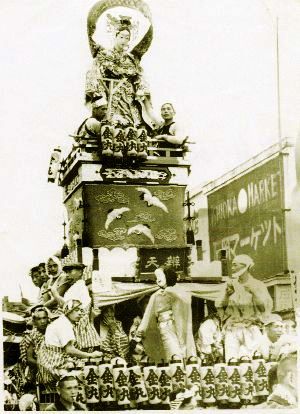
(117, 24)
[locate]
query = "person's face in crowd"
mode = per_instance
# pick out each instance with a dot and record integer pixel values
(274, 331)
(290, 327)
(100, 112)
(161, 280)
(36, 280)
(122, 40)
(109, 313)
(74, 274)
(167, 112)
(41, 320)
(68, 391)
(75, 314)
(52, 268)
(238, 269)
(43, 274)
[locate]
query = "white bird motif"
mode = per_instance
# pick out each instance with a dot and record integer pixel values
(151, 200)
(113, 214)
(141, 229)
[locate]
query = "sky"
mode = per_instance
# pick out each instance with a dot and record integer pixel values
(215, 60)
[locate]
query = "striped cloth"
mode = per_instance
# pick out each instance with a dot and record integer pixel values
(85, 332)
(116, 342)
(34, 338)
(51, 359)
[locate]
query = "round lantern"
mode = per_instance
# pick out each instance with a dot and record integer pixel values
(151, 381)
(120, 374)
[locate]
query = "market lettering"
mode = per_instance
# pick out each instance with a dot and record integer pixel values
(226, 209)
(257, 193)
(263, 191)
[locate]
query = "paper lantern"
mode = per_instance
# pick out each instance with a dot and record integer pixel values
(120, 374)
(221, 383)
(234, 381)
(193, 376)
(90, 372)
(260, 376)
(165, 382)
(138, 391)
(106, 382)
(247, 380)
(177, 373)
(207, 383)
(152, 383)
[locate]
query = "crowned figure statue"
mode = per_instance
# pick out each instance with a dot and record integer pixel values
(116, 78)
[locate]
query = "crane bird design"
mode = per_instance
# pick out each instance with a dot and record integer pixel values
(141, 229)
(151, 200)
(113, 214)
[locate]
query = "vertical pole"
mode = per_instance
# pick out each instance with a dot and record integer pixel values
(278, 80)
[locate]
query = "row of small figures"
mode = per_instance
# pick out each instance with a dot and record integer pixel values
(115, 381)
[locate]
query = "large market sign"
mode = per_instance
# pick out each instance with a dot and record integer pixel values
(247, 216)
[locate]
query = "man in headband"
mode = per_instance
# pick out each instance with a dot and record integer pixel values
(242, 304)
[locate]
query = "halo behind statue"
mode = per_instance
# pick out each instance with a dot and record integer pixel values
(102, 6)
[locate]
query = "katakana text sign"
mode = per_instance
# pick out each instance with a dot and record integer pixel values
(246, 216)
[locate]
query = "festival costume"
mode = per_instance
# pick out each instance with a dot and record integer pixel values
(242, 317)
(167, 325)
(114, 341)
(51, 356)
(86, 335)
(34, 338)
(130, 103)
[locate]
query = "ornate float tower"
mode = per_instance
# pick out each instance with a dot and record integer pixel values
(123, 188)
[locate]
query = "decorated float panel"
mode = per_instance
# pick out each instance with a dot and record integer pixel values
(133, 215)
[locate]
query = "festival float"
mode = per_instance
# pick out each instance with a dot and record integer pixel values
(129, 215)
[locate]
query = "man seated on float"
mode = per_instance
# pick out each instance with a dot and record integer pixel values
(169, 132)
(57, 277)
(275, 342)
(60, 346)
(31, 342)
(242, 304)
(87, 337)
(91, 127)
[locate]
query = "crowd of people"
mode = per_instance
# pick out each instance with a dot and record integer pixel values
(67, 331)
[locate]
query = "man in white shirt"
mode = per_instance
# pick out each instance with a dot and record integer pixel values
(273, 330)
(242, 304)
(77, 290)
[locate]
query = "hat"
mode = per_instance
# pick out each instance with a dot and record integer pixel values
(244, 259)
(70, 305)
(73, 265)
(272, 318)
